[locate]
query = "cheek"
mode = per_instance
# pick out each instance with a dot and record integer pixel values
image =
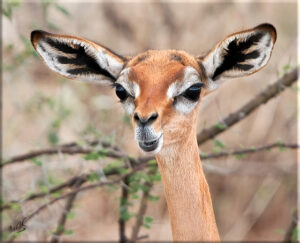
(184, 106)
(177, 125)
(129, 106)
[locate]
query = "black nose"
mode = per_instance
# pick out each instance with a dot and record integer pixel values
(143, 121)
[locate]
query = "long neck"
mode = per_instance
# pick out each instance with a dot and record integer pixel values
(187, 193)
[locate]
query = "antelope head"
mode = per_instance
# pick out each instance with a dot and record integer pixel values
(160, 89)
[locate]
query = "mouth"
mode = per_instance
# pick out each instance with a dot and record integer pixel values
(151, 145)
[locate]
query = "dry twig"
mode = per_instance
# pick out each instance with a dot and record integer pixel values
(123, 206)
(25, 219)
(268, 93)
(142, 163)
(60, 229)
(71, 148)
(141, 213)
(249, 150)
(289, 236)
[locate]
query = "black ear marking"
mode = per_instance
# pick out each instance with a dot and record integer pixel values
(86, 63)
(234, 54)
(63, 47)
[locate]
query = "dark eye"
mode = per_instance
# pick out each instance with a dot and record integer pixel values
(193, 92)
(121, 92)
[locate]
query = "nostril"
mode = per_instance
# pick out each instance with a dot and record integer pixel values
(145, 121)
(153, 117)
(136, 117)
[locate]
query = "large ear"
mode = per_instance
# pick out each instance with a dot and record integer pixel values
(77, 58)
(239, 54)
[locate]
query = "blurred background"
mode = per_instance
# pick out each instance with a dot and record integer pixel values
(254, 196)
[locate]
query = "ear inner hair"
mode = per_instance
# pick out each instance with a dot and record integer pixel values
(233, 54)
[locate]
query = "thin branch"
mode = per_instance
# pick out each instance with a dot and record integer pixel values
(73, 149)
(69, 183)
(123, 207)
(269, 92)
(142, 163)
(60, 229)
(249, 150)
(289, 236)
(25, 219)
(69, 148)
(141, 213)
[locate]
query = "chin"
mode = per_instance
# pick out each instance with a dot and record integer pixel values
(152, 147)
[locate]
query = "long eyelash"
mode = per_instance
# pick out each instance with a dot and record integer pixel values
(113, 85)
(201, 86)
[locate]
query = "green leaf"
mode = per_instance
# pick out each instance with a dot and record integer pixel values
(112, 188)
(153, 198)
(148, 219)
(91, 156)
(147, 226)
(134, 196)
(297, 88)
(103, 152)
(219, 144)
(117, 165)
(36, 161)
(126, 119)
(144, 188)
(155, 177)
(279, 144)
(282, 149)
(15, 206)
(240, 156)
(71, 215)
(152, 162)
(2, 202)
(68, 232)
(53, 180)
(286, 67)
(53, 138)
(93, 176)
(43, 188)
(56, 194)
(60, 228)
(62, 9)
(220, 126)
(124, 214)
(9, 4)
(296, 233)
(28, 194)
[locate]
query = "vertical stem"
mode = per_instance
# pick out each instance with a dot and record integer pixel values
(289, 236)
(123, 206)
(141, 213)
(62, 221)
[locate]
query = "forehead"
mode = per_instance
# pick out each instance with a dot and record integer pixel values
(159, 69)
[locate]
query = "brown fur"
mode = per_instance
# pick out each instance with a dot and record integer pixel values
(186, 190)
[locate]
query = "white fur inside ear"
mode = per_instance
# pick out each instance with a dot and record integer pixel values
(259, 52)
(101, 56)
